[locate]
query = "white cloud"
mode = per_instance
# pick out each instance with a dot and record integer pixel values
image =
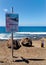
(5, 10)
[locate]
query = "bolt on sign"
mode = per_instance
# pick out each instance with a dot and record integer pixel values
(11, 22)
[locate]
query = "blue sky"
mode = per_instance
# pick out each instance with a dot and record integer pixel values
(31, 12)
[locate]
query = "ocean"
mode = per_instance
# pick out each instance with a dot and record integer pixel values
(32, 29)
(24, 31)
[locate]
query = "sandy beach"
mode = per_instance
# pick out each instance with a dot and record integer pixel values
(24, 55)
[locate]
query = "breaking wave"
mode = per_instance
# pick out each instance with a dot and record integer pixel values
(19, 35)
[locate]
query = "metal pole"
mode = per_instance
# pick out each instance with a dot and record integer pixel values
(12, 9)
(12, 44)
(12, 37)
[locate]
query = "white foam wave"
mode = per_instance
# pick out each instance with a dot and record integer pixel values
(4, 36)
(31, 32)
(18, 35)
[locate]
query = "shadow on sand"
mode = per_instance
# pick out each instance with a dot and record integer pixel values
(27, 60)
(28, 46)
(1, 61)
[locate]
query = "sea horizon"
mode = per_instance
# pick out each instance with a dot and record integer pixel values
(26, 29)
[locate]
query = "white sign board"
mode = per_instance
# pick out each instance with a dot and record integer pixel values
(11, 22)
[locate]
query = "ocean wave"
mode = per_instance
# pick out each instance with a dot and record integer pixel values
(19, 35)
(31, 32)
(4, 36)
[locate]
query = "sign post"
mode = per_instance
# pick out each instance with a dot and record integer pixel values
(12, 24)
(12, 37)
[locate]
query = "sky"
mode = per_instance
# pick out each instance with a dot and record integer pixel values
(31, 12)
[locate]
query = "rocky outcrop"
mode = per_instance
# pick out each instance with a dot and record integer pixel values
(26, 42)
(16, 44)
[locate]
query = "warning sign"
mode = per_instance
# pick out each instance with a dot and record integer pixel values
(11, 22)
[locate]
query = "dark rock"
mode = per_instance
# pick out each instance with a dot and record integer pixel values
(16, 44)
(26, 42)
